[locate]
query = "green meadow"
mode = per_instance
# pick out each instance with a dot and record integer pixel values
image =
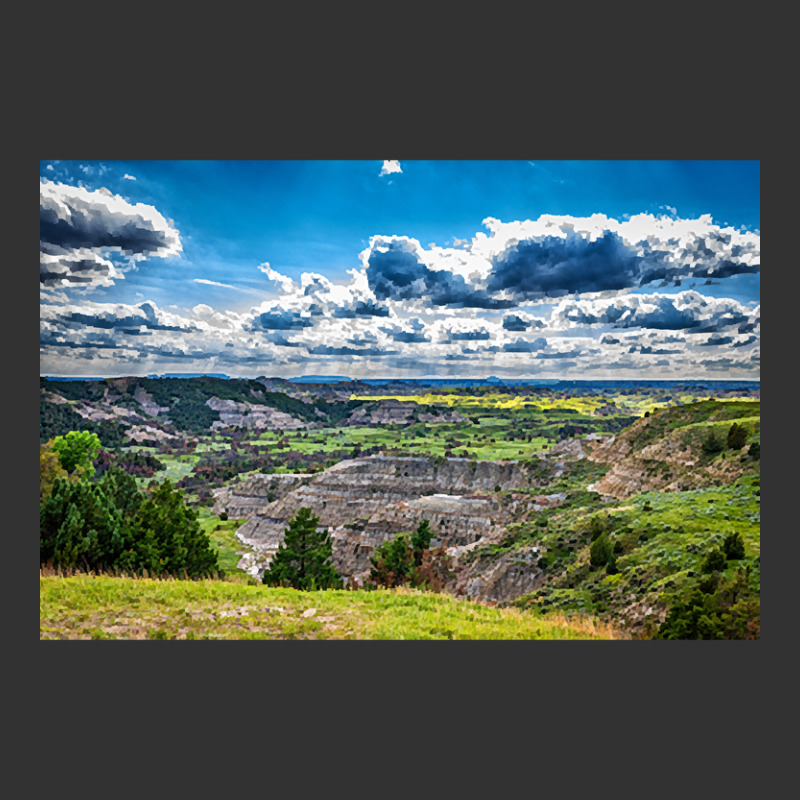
(107, 607)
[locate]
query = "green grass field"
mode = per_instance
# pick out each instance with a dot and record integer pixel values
(222, 536)
(104, 607)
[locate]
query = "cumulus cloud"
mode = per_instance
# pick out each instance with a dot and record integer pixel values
(81, 267)
(80, 228)
(390, 167)
(282, 320)
(111, 316)
(396, 269)
(553, 266)
(557, 255)
(525, 345)
(329, 350)
(521, 322)
(689, 311)
(316, 296)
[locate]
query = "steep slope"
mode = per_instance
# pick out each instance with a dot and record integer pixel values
(670, 450)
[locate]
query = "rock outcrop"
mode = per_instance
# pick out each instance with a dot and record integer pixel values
(497, 580)
(246, 498)
(399, 412)
(251, 415)
(364, 502)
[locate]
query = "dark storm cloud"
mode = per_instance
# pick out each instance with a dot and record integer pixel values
(559, 255)
(77, 319)
(97, 231)
(395, 272)
(555, 266)
(118, 318)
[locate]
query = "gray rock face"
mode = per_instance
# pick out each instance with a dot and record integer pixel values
(394, 412)
(509, 576)
(250, 415)
(145, 400)
(353, 490)
(246, 498)
(364, 502)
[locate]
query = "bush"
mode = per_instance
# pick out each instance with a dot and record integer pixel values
(711, 444)
(597, 526)
(714, 561)
(408, 560)
(393, 562)
(601, 550)
(718, 609)
(737, 436)
(77, 449)
(733, 546)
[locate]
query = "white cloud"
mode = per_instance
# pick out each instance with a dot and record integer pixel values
(213, 283)
(389, 167)
(81, 229)
(686, 311)
(128, 177)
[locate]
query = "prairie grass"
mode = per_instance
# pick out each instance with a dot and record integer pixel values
(89, 606)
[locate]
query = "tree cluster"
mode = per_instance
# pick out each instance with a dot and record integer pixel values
(108, 523)
(409, 560)
(716, 608)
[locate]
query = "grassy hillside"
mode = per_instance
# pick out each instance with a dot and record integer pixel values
(657, 543)
(104, 607)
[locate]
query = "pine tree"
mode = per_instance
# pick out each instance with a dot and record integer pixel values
(737, 436)
(304, 558)
(393, 562)
(733, 546)
(421, 540)
(601, 550)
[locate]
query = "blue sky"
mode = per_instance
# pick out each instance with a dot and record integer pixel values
(611, 269)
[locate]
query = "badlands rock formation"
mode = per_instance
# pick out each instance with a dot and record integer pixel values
(364, 502)
(398, 412)
(251, 415)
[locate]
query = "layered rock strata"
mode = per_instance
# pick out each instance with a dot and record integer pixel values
(364, 502)
(251, 415)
